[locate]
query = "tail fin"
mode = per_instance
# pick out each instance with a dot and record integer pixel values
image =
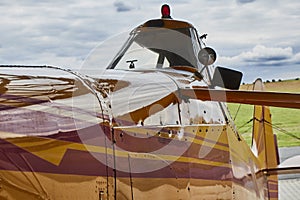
(264, 143)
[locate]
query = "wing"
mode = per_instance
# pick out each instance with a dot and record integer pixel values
(286, 100)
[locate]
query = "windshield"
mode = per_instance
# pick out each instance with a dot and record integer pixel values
(153, 47)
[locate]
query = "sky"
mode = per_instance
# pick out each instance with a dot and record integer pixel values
(261, 38)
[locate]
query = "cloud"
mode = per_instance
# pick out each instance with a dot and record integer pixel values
(122, 7)
(267, 55)
(243, 32)
(264, 62)
(245, 1)
(33, 31)
(261, 55)
(296, 59)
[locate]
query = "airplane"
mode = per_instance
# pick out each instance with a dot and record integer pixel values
(152, 125)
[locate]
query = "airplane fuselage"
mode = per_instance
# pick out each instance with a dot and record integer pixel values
(66, 136)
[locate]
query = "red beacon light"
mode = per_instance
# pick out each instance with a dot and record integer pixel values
(165, 11)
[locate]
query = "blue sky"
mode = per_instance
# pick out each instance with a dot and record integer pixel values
(260, 38)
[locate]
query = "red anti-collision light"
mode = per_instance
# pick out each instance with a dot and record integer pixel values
(165, 11)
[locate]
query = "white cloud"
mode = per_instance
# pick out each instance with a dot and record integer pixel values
(267, 56)
(261, 55)
(296, 58)
(264, 62)
(122, 7)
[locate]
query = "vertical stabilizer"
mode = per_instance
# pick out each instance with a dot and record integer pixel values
(264, 143)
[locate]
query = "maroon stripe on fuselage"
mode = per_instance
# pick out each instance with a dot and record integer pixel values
(272, 185)
(273, 194)
(182, 170)
(273, 188)
(73, 162)
(155, 145)
(84, 163)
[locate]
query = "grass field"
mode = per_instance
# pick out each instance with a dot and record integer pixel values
(286, 122)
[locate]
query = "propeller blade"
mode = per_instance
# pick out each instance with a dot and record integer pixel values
(276, 99)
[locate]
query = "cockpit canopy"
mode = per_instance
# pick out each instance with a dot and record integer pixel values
(159, 43)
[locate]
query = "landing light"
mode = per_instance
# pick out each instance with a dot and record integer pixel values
(165, 11)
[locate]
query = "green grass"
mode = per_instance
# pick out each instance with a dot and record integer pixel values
(286, 122)
(242, 115)
(286, 125)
